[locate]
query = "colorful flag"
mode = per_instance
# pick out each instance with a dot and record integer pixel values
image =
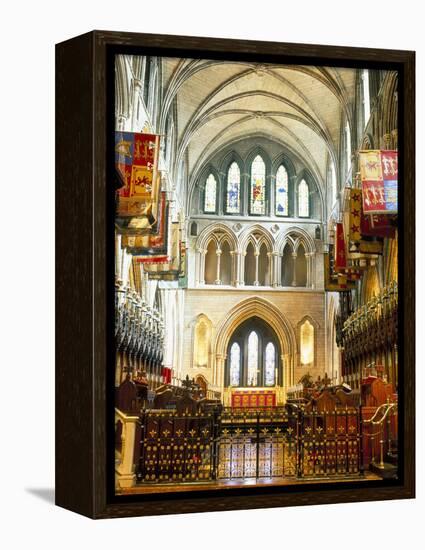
(153, 247)
(377, 225)
(136, 161)
(379, 176)
(355, 215)
(340, 263)
(335, 282)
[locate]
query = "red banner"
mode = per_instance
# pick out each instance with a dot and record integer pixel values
(166, 375)
(340, 252)
(377, 225)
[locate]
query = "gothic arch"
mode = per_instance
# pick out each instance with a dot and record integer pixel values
(268, 312)
(248, 235)
(213, 231)
(316, 200)
(202, 329)
(316, 327)
(295, 236)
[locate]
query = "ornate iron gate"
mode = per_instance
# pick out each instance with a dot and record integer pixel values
(257, 444)
(279, 442)
(176, 447)
(330, 443)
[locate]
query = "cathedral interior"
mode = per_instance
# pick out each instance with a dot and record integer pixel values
(245, 353)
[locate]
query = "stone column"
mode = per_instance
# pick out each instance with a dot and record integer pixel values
(294, 277)
(217, 279)
(394, 135)
(242, 268)
(387, 141)
(271, 256)
(137, 86)
(256, 255)
(201, 277)
(310, 269)
(236, 272)
(307, 260)
(219, 370)
(121, 120)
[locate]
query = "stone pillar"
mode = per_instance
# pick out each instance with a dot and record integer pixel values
(219, 370)
(276, 263)
(201, 277)
(236, 272)
(217, 278)
(394, 135)
(294, 277)
(387, 141)
(121, 120)
(256, 255)
(310, 264)
(137, 86)
(242, 268)
(272, 279)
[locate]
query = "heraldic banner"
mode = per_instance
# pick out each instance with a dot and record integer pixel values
(379, 177)
(136, 162)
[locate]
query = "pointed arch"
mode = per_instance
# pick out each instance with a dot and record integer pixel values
(220, 232)
(210, 195)
(295, 236)
(269, 313)
(303, 193)
(202, 336)
(307, 329)
(257, 234)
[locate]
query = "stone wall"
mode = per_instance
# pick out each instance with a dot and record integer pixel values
(219, 304)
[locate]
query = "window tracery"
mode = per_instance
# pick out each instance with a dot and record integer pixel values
(233, 189)
(258, 186)
(282, 191)
(303, 199)
(210, 197)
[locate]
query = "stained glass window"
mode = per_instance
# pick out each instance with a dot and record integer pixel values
(303, 200)
(233, 189)
(307, 343)
(282, 192)
(258, 186)
(270, 365)
(252, 359)
(210, 199)
(235, 364)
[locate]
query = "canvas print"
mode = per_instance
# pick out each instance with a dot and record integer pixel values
(256, 268)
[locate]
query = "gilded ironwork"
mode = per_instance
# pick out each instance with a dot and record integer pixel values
(280, 442)
(176, 447)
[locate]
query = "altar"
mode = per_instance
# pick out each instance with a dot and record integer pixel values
(253, 398)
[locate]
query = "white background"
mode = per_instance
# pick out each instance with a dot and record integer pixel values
(28, 34)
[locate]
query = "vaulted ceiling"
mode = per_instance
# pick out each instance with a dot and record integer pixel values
(219, 102)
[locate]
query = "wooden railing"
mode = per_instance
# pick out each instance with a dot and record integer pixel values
(381, 437)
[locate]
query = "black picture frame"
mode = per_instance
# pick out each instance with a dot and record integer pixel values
(84, 292)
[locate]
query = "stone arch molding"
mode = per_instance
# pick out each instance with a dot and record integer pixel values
(212, 231)
(295, 236)
(268, 312)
